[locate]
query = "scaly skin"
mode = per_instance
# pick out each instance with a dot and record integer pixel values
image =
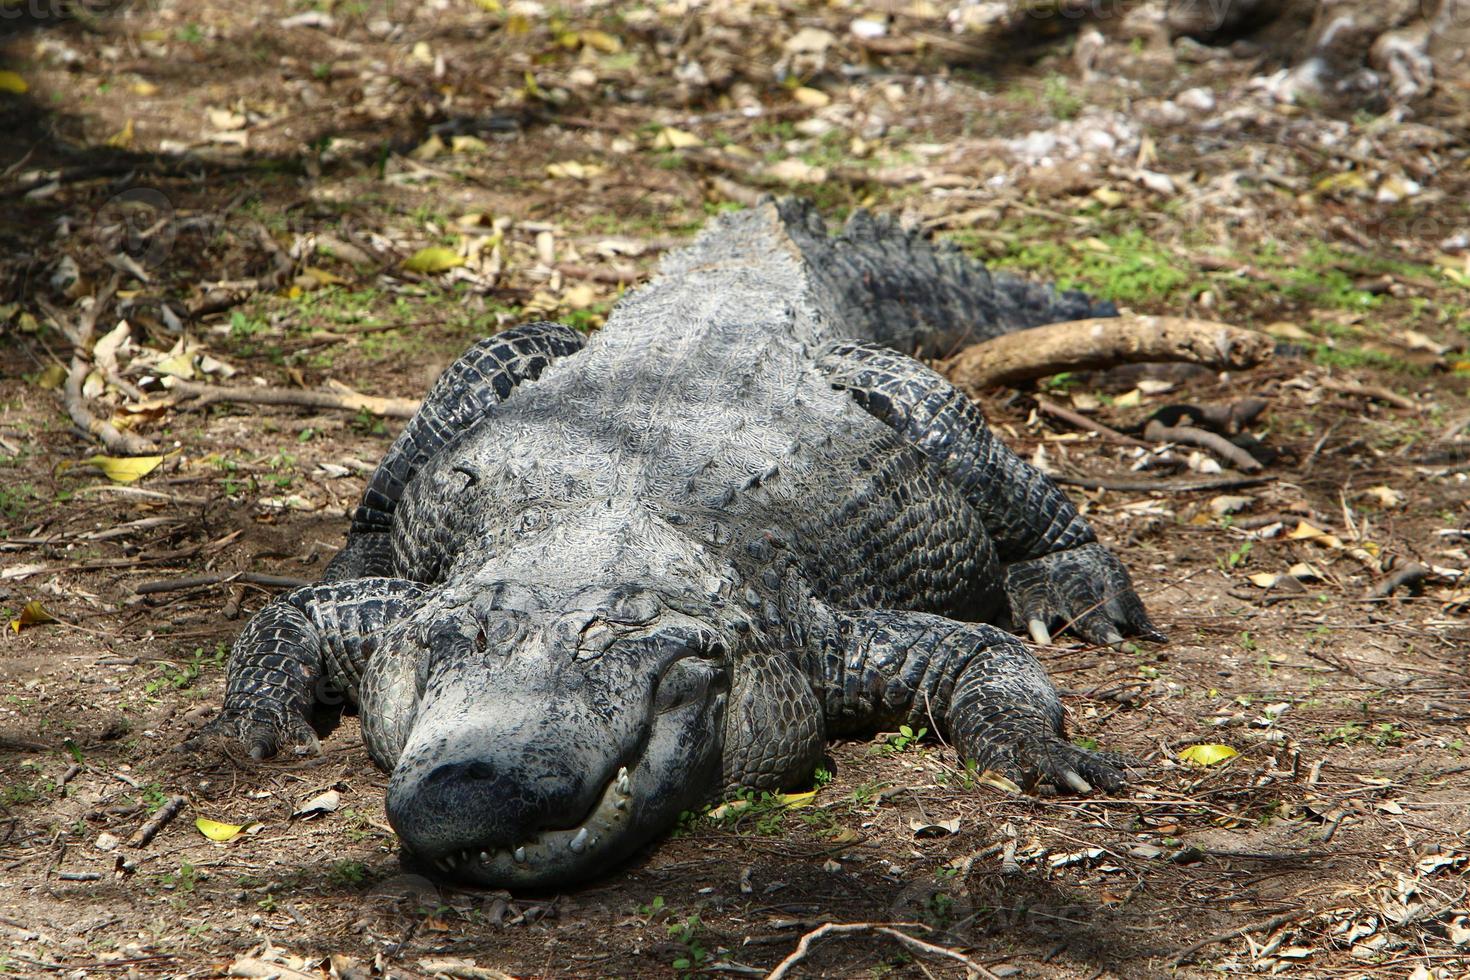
(593, 586)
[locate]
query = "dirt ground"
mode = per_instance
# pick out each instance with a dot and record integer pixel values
(260, 183)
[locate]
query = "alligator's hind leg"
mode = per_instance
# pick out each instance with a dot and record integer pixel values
(483, 376)
(292, 649)
(1056, 571)
(979, 685)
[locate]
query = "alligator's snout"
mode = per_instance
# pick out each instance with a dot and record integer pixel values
(468, 817)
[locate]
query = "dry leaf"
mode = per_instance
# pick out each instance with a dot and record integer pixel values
(811, 97)
(324, 803)
(435, 258)
(1207, 754)
(601, 41)
(31, 614)
(670, 138)
(217, 831)
(12, 82)
(125, 469)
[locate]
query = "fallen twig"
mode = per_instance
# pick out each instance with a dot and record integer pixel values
(1081, 345)
(199, 395)
(195, 581)
(1191, 436)
(80, 334)
(1092, 425)
(157, 822)
(1186, 954)
(1161, 486)
(1376, 392)
(804, 946)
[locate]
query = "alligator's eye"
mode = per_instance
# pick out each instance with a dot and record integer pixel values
(687, 680)
(480, 640)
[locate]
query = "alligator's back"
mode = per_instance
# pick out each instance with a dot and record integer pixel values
(702, 396)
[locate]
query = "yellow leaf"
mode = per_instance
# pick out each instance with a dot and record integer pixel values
(995, 780)
(798, 799)
(1264, 579)
(1350, 181)
(32, 614)
(1107, 197)
(123, 138)
(467, 144)
(813, 98)
(144, 88)
(428, 149)
(489, 6)
(13, 83)
(1305, 531)
(670, 138)
(602, 41)
(1129, 399)
(53, 377)
(217, 831)
(1208, 754)
(125, 469)
(517, 24)
(180, 366)
(323, 276)
(435, 258)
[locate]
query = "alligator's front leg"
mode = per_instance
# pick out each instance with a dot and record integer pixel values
(980, 686)
(290, 650)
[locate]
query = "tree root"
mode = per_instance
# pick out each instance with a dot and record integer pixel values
(1083, 345)
(804, 946)
(196, 395)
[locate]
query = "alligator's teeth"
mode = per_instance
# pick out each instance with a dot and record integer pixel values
(578, 844)
(519, 855)
(484, 857)
(623, 784)
(620, 804)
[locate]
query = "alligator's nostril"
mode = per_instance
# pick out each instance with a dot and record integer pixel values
(456, 772)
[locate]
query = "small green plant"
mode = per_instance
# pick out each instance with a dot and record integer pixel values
(904, 739)
(1237, 557)
(686, 934)
(1059, 98)
(1247, 642)
(347, 873)
(184, 880)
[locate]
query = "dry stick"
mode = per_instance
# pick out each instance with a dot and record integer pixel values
(850, 928)
(1161, 486)
(1092, 425)
(195, 581)
(199, 395)
(1377, 392)
(1186, 954)
(157, 822)
(1191, 436)
(80, 335)
(1080, 345)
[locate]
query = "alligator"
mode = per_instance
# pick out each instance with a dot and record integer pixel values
(596, 582)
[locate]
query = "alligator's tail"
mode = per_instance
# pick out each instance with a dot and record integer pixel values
(898, 288)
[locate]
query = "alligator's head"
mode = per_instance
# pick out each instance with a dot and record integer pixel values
(538, 736)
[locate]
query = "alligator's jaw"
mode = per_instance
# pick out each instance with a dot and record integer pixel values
(552, 857)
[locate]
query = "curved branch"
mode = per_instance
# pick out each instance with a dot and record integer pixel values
(1102, 342)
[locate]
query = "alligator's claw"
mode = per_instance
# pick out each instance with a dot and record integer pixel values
(1085, 589)
(261, 732)
(1031, 760)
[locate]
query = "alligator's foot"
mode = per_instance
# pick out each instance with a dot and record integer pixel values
(261, 731)
(1084, 589)
(1030, 759)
